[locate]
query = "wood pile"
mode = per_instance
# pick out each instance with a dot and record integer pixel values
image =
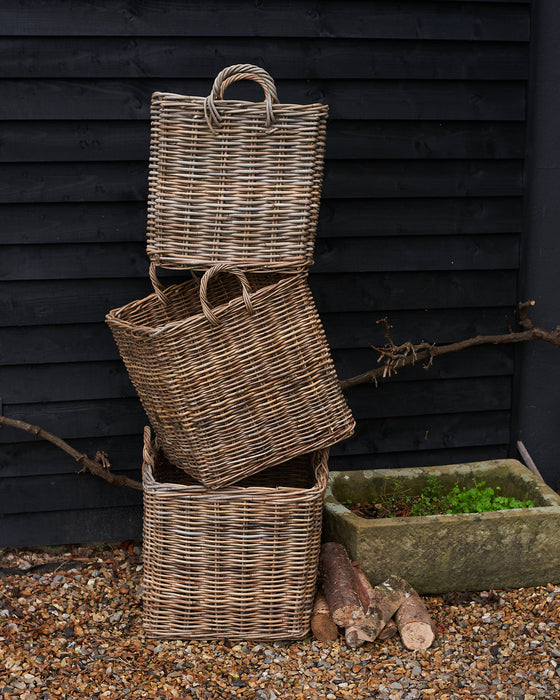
(365, 612)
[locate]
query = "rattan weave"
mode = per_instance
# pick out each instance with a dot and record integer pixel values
(240, 562)
(234, 181)
(233, 383)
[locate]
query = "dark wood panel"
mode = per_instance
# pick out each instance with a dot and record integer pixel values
(71, 182)
(93, 342)
(486, 21)
(421, 398)
(70, 491)
(96, 222)
(87, 301)
(348, 99)
(196, 57)
(55, 302)
(361, 328)
(69, 261)
(401, 290)
(113, 140)
(26, 459)
(64, 381)
(498, 252)
(77, 419)
(73, 222)
(71, 527)
(396, 217)
(63, 492)
(426, 433)
(418, 458)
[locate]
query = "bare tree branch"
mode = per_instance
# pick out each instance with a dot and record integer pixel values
(394, 357)
(99, 465)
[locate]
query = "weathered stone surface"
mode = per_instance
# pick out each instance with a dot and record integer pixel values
(442, 553)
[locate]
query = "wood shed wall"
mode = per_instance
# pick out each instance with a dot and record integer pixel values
(420, 222)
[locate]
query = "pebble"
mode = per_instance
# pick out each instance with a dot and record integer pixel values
(80, 635)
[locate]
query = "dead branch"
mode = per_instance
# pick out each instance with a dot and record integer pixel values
(99, 465)
(395, 357)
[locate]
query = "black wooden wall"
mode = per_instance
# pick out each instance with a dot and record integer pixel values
(420, 221)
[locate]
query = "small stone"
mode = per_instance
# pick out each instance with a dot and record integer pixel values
(68, 632)
(396, 686)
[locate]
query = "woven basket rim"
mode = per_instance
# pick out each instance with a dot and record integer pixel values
(114, 316)
(173, 96)
(233, 491)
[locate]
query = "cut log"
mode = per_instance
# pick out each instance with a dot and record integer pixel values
(389, 631)
(387, 598)
(416, 627)
(363, 586)
(322, 625)
(338, 585)
(366, 592)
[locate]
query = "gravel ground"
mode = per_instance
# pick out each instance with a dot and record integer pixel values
(70, 627)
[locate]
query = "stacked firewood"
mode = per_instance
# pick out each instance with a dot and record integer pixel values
(348, 600)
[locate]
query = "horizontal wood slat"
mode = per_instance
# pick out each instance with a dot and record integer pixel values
(124, 416)
(87, 301)
(348, 99)
(91, 342)
(487, 21)
(90, 261)
(128, 181)
(421, 398)
(71, 527)
(196, 57)
(426, 432)
(59, 492)
(418, 458)
(77, 419)
(85, 141)
(39, 457)
(97, 222)
(65, 381)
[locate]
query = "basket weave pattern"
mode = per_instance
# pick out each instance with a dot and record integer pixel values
(234, 181)
(239, 563)
(233, 383)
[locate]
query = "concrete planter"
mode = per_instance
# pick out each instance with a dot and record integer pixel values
(441, 553)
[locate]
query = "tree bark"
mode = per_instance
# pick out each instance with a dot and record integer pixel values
(99, 465)
(366, 591)
(416, 627)
(338, 584)
(387, 598)
(322, 625)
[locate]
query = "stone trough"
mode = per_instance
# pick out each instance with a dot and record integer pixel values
(442, 553)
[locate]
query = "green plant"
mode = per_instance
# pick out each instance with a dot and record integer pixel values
(396, 501)
(480, 499)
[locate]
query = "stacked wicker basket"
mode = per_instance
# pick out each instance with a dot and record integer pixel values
(232, 367)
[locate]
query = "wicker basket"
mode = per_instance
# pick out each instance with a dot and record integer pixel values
(239, 563)
(233, 384)
(234, 181)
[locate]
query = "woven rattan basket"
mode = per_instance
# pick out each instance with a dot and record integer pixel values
(240, 562)
(233, 383)
(234, 181)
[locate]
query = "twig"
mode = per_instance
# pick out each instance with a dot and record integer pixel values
(398, 356)
(99, 466)
(524, 452)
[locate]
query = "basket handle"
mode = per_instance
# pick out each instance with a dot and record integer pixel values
(159, 288)
(245, 287)
(240, 71)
